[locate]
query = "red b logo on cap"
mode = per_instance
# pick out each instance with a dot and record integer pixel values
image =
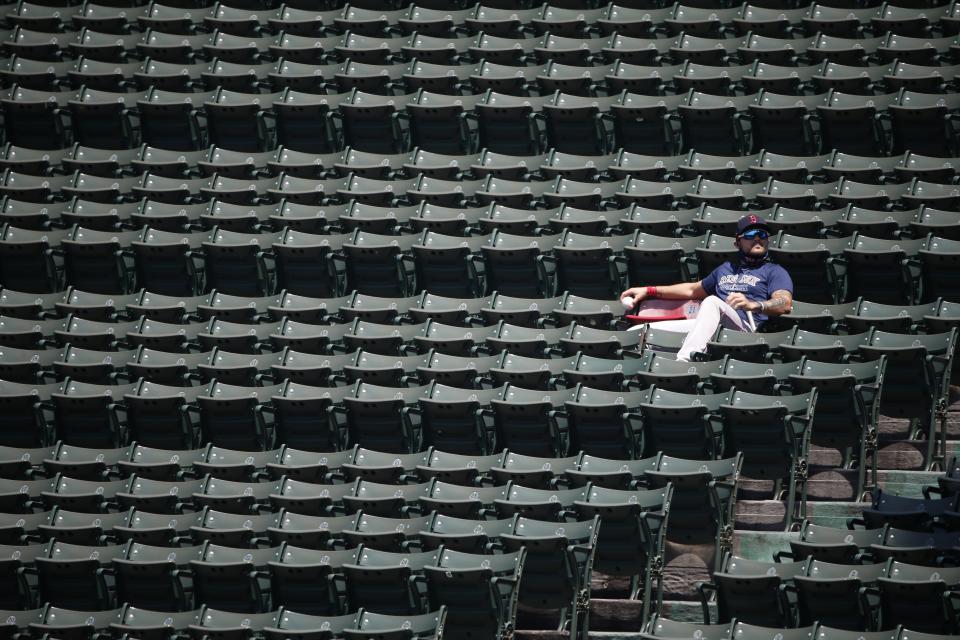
(753, 219)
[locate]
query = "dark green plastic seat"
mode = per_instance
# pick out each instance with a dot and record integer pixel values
(230, 625)
(611, 473)
(387, 500)
(385, 468)
(386, 534)
(524, 421)
(680, 424)
(377, 626)
(467, 536)
(462, 501)
(823, 347)
(669, 374)
(847, 409)
(382, 581)
(152, 625)
(300, 580)
(631, 541)
(373, 417)
(479, 592)
(596, 424)
(831, 544)
(556, 573)
(744, 345)
(603, 373)
(833, 594)
(310, 531)
(763, 378)
(749, 591)
(659, 627)
(542, 504)
(918, 366)
(306, 627)
(744, 631)
(701, 510)
(927, 548)
(459, 468)
(920, 598)
(772, 434)
(231, 579)
(71, 624)
(532, 471)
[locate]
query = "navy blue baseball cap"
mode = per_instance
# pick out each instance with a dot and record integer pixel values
(751, 221)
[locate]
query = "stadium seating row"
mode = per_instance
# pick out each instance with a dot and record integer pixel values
(919, 358)
(538, 422)
(699, 35)
(487, 19)
(314, 582)
(739, 583)
(150, 576)
(276, 625)
(800, 125)
(391, 205)
(453, 80)
(290, 271)
(620, 165)
(664, 628)
(858, 597)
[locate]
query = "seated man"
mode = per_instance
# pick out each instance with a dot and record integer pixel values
(750, 284)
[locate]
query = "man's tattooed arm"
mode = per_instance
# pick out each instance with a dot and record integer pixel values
(779, 303)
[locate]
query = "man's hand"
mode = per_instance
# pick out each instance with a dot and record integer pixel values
(740, 301)
(637, 293)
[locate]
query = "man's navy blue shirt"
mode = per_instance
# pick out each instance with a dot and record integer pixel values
(756, 283)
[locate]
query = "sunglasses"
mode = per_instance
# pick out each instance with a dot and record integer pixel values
(756, 234)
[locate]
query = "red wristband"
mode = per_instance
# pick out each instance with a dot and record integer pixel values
(651, 292)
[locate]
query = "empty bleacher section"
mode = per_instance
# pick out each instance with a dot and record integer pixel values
(309, 320)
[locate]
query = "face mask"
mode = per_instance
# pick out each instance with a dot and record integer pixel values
(750, 260)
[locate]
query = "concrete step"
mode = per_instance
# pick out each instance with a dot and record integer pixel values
(830, 481)
(902, 454)
(686, 611)
(612, 618)
(615, 615)
(907, 483)
(761, 545)
(760, 515)
(833, 483)
(953, 448)
(837, 484)
(769, 515)
(833, 514)
(684, 566)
